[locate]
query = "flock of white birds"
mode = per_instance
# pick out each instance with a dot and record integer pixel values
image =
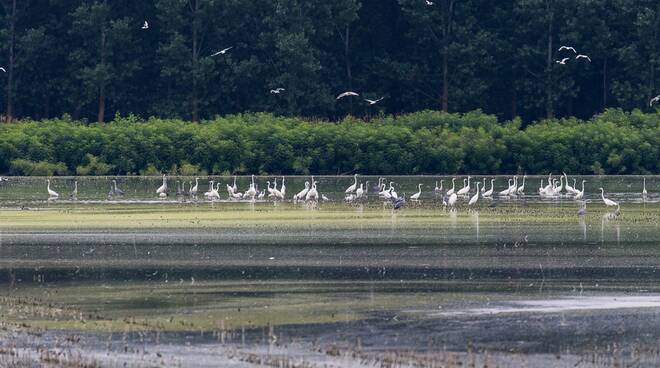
(556, 187)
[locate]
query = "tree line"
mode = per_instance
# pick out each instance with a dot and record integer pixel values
(426, 142)
(92, 59)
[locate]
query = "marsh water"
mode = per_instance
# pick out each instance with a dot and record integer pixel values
(141, 281)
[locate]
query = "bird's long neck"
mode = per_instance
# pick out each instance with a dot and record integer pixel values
(453, 184)
(602, 193)
(582, 186)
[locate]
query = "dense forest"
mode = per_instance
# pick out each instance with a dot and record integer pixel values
(425, 142)
(95, 59)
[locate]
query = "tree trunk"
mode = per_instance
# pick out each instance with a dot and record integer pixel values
(10, 66)
(195, 59)
(447, 15)
(604, 84)
(347, 61)
(549, 104)
(102, 46)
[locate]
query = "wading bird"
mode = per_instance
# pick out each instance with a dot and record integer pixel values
(580, 194)
(373, 102)
(302, 193)
(51, 193)
(608, 202)
(353, 187)
(74, 194)
(415, 197)
(163, 188)
(117, 191)
(475, 197)
(489, 192)
(644, 193)
(466, 189)
(193, 190)
(453, 186)
(223, 51)
(583, 57)
(345, 94)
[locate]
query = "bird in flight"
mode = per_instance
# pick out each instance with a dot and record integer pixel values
(429, 3)
(3, 69)
(562, 61)
(277, 91)
(583, 57)
(349, 93)
(223, 51)
(373, 102)
(654, 100)
(145, 25)
(567, 48)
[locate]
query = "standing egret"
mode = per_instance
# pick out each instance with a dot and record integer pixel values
(415, 197)
(452, 200)
(644, 193)
(506, 191)
(163, 187)
(466, 189)
(302, 193)
(234, 187)
(475, 197)
(392, 192)
(283, 189)
(353, 187)
(208, 192)
(384, 193)
(483, 186)
(521, 189)
(489, 192)
(312, 194)
(438, 190)
(608, 202)
(453, 186)
(359, 192)
(580, 194)
(569, 188)
(51, 193)
(193, 190)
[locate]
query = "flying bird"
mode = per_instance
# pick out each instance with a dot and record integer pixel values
(429, 3)
(3, 69)
(277, 91)
(373, 102)
(562, 61)
(223, 51)
(349, 93)
(145, 25)
(583, 57)
(567, 48)
(653, 100)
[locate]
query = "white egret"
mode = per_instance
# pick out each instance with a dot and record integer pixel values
(506, 191)
(466, 189)
(51, 193)
(324, 198)
(277, 91)
(583, 57)
(312, 194)
(223, 51)
(3, 69)
(453, 186)
(353, 187)
(608, 202)
(429, 3)
(483, 186)
(521, 189)
(475, 197)
(580, 194)
(373, 102)
(359, 192)
(415, 197)
(116, 189)
(302, 193)
(234, 187)
(163, 187)
(345, 94)
(145, 25)
(452, 200)
(562, 61)
(384, 193)
(489, 192)
(569, 188)
(644, 193)
(283, 189)
(193, 190)
(567, 48)
(653, 100)
(392, 192)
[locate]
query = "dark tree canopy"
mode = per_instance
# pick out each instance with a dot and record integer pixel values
(92, 59)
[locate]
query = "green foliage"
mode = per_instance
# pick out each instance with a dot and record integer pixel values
(426, 142)
(41, 168)
(93, 166)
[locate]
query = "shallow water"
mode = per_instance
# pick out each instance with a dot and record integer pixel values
(527, 283)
